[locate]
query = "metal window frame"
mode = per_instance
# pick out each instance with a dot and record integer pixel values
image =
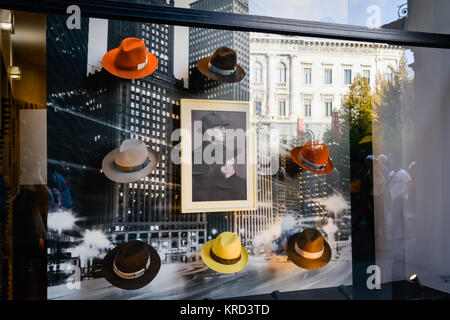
(230, 21)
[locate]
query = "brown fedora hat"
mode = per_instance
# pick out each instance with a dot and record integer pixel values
(222, 66)
(131, 265)
(308, 249)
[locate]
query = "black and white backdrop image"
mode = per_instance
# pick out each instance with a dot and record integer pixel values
(219, 170)
(90, 112)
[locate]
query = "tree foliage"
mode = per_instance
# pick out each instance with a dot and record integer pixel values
(387, 110)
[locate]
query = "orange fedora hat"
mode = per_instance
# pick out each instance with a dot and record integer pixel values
(314, 157)
(131, 60)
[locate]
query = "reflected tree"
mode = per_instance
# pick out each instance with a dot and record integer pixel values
(393, 101)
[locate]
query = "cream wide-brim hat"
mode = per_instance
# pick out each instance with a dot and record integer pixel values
(115, 175)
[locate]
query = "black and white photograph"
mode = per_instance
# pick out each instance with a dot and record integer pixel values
(222, 177)
(220, 172)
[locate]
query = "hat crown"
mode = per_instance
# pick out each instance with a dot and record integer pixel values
(315, 152)
(227, 245)
(131, 153)
(224, 58)
(132, 256)
(211, 120)
(310, 240)
(131, 53)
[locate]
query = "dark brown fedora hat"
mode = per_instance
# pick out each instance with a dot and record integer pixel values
(222, 66)
(131, 265)
(308, 249)
(211, 120)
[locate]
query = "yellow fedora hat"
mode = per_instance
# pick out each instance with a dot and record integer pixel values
(225, 254)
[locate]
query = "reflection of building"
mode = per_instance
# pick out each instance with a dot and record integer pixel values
(73, 149)
(249, 224)
(296, 77)
(218, 222)
(59, 258)
(102, 110)
(297, 85)
(149, 110)
(203, 43)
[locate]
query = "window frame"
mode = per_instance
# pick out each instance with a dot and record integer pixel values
(325, 77)
(364, 76)
(282, 101)
(347, 71)
(233, 21)
(256, 101)
(305, 105)
(326, 102)
(257, 73)
(281, 73)
(307, 77)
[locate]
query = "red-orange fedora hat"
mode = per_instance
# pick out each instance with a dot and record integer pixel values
(314, 157)
(131, 60)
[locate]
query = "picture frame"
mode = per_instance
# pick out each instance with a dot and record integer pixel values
(209, 185)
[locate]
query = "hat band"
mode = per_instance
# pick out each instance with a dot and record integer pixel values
(132, 275)
(132, 169)
(224, 261)
(140, 66)
(223, 72)
(310, 164)
(308, 255)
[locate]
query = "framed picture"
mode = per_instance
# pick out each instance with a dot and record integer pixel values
(218, 156)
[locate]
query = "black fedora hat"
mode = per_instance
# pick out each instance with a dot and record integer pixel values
(211, 120)
(131, 265)
(222, 66)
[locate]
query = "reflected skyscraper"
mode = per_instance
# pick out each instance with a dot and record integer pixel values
(102, 110)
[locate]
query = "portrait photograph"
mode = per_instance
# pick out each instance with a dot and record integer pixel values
(218, 165)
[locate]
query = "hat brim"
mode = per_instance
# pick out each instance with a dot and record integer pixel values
(126, 177)
(219, 267)
(294, 154)
(108, 64)
(309, 264)
(202, 66)
(132, 284)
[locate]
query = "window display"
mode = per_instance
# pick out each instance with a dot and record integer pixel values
(167, 172)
